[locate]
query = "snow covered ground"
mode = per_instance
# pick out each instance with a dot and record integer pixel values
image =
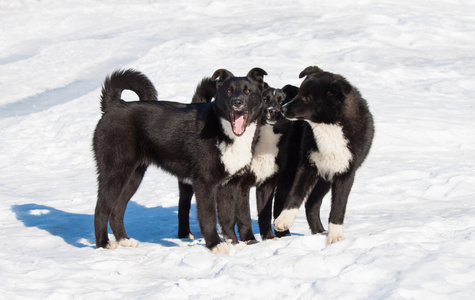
(410, 223)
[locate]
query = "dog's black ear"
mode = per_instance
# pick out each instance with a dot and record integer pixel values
(310, 71)
(290, 90)
(220, 76)
(340, 88)
(257, 74)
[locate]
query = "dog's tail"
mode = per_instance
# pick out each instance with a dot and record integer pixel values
(208, 87)
(126, 80)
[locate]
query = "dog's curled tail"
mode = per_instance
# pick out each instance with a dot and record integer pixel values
(126, 80)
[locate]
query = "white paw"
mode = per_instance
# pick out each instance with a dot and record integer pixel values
(128, 243)
(191, 237)
(240, 245)
(285, 219)
(221, 248)
(335, 233)
(112, 245)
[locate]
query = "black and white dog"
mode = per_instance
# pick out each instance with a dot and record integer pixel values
(205, 92)
(268, 158)
(334, 143)
(204, 144)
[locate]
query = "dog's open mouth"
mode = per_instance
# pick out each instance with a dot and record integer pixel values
(238, 121)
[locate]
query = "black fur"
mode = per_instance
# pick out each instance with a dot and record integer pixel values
(324, 99)
(183, 140)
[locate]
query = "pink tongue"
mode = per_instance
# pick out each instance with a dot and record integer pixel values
(238, 124)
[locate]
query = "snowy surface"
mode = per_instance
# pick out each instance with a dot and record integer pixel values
(410, 222)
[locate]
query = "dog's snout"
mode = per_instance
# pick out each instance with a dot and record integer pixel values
(237, 103)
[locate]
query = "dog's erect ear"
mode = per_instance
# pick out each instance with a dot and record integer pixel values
(220, 76)
(290, 90)
(310, 71)
(257, 74)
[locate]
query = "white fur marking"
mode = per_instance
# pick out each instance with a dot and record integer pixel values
(112, 245)
(128, 243)
(187, 181)
(333, 156)
(221, 248)
(241, 245)
(238, 154)
(335, 233)
(263, 162)
(285, 219)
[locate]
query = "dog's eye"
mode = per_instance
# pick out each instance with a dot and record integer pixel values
(246, 91)
(229, 92)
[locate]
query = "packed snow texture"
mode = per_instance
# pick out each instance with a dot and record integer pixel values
(410, 221)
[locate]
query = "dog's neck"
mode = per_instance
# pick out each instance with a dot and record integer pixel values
(237, 154)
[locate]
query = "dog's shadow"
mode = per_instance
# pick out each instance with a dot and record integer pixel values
(146, 224)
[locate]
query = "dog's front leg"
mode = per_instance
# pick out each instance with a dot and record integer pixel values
(304, 182)
(341, 188)
(205, 194)
(313, 204)
(264, 196)
(243, 214)
(226, 198)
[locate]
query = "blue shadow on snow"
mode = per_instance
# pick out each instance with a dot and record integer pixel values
(145, 224)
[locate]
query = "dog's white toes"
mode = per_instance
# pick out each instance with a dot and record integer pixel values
(191, 237)
(112, 245)
(335, 233)
(285, 219)
(128, 243)
(221, 248)
(240, 245)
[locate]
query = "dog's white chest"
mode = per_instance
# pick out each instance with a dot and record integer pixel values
(263, 163)
(237, 154)
(333, 156)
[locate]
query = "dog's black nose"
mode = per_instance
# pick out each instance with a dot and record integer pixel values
(237, 103)
(272, 111)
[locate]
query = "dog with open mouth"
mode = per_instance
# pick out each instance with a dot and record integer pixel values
(205, 92)
(268, 159)
(334, 142)
(204, 144)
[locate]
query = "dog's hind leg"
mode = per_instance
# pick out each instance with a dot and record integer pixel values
(184, 205)
(109, 190)
(313, 204)
(117, 217)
